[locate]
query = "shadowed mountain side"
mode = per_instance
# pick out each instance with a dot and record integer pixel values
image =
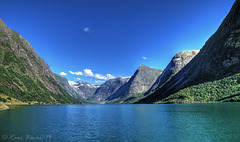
(109, 87)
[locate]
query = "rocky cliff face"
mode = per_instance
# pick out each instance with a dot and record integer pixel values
(176, 64)
(109, 87)
(84, 89)
(218, 59)
(140, 82)
(25, 75)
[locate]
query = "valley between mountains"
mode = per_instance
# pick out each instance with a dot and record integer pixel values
(211, 74)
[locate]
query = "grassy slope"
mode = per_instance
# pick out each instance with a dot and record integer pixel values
(16, 84)
(10, 100)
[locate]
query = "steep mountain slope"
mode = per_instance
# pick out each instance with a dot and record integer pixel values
(108, 88)
(65, 85)
(24, 75)
(84, 89)
(217, 60)
(140, 82)
(176, 64)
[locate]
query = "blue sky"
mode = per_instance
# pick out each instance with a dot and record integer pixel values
(94, 40)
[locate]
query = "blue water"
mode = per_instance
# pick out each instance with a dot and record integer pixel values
(163, 122)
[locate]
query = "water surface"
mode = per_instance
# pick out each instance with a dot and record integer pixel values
(158, 122)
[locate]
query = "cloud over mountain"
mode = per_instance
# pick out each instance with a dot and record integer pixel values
(63, 73)
(88, 73)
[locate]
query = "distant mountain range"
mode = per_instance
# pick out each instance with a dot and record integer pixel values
(118, 90)
(209, 75)
(141, 84)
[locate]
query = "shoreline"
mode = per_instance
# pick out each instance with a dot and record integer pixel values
(10, 104)
(3, 106)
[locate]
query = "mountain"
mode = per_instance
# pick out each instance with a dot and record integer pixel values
(213, 74)
(138, 84)
(24, 75)
(176, 64)
(108, 88)
(84, 89)
(66, 86)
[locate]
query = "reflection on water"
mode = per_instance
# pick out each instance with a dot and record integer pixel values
(160, 122)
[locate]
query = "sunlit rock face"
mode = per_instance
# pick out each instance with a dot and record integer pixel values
(177, 63)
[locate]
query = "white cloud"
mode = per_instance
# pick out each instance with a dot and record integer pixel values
(78, 78)
(87, 30)
(76, 73)
(79, 73)
(109, 76)
(63, 73)
(144, 58)
(102, 77)
(88, 72)
(99, 81)
(99, 76)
